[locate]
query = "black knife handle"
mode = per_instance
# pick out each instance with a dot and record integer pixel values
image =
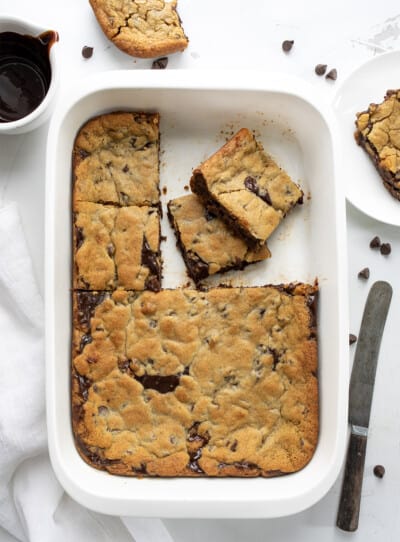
(349, 505)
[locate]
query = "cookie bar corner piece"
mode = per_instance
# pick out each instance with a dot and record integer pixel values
(142, 28)
(115, 159)
(246, 188)
(376, 132)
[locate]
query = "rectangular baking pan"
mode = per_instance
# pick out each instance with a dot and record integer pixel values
(199, 111)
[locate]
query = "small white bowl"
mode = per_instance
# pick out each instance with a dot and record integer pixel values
(43, 110)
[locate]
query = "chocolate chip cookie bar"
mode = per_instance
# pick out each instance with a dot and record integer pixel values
(377, 132)
(116, 160)
(243, 185)
(116, 247)
(141, 28)
(196, 383)
(207, 245)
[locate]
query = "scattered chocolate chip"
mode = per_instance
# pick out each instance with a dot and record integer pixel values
(87, 52)
(386, 248)
(186, 187)
(320, 69)
(160, 63)
(287, 45)
(332, 74)
(164, 189)
(375, 242)
(379, 471)
(352, 338)
(364, 273)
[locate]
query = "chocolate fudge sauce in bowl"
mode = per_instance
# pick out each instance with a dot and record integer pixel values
(28, 74)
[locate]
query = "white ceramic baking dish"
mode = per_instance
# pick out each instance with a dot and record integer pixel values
(198, 111)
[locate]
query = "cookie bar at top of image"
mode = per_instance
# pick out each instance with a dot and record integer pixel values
(246, 187)
(196, 383)
(378, 133)
(116, 247)
(207, 245)
(141, 28)
(116, 159)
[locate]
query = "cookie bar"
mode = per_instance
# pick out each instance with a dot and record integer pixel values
(116, 160)
(243, 185)
(196, 383)
(116, 247)
(207, 245)
(141, 28)
(378, 134)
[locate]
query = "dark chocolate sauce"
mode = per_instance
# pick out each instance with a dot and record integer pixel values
(25, 73)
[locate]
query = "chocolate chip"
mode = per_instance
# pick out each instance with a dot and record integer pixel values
(375, 242)
(332, 74)
(86, 339)
(83, 154)
(87, 52)
(186, 187)
(160, 63)
(364, 273)
(164, 189)
(233, 448)
(320, 69)
(79, 237)
(287, 45)
(251, 184)
(379, 471)
(209, 215)
(386, 249)
(352, 338)
(162, 384)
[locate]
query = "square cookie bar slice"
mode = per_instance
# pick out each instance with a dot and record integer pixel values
(207, 245)
(378, 134)
(116, 160)
(246, 187)
(196, 383)
(116, 247)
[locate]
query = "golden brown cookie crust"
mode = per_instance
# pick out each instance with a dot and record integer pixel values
(246, 187)
(116, 160)
(196, 383)
(378, 134)
(116, 247)
(208, 246)
(141, 28)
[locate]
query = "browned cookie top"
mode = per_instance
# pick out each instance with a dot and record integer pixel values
(247, 186)
(187, 382)
(207, 244)
(116, 247)
(378, 133)
(115, 160)
(141, 28)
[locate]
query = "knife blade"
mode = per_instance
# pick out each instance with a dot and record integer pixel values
(360, 401)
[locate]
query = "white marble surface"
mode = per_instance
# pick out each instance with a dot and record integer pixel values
(229, 34)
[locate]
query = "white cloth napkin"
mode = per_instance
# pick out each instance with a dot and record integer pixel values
(33, 506)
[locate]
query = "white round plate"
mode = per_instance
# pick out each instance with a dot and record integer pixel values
(363, 184)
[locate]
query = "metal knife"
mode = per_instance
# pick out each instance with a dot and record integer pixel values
(360, 401)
